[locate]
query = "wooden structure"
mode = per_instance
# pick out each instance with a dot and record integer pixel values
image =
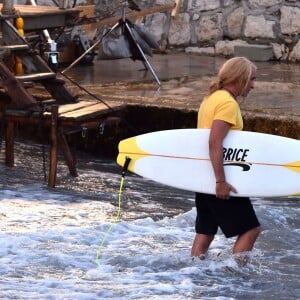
(62, 111)
(59, 118)
(21, 65)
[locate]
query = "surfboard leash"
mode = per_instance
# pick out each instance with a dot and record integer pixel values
(117, 218)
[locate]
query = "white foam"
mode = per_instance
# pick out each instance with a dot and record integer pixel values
(49, 244)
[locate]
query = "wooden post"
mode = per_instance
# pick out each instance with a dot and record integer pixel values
(8, 7)
(53, 149)
(67, 153)
(9, 144)
(176, 9)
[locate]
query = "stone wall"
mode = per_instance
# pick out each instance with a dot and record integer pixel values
(214, 27)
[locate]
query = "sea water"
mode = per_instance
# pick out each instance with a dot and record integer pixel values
(69, 243)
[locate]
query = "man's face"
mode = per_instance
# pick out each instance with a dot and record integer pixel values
(250, 84)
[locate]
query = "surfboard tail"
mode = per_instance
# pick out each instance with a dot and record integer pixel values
(129, 148)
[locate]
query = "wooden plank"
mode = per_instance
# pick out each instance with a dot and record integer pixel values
(20, 97)
(176, 9)
(57, 89)
(97, 107)
(86, 112)
(83, 113)
(14, 47)
(42, 17)
(137, 14)
(88, 11)
(30, 10)
(35, 77)
(71, 107)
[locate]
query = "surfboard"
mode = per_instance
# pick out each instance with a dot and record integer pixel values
(256, 164)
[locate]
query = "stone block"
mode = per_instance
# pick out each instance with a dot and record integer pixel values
(254, 52)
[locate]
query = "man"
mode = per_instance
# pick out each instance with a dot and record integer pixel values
(220, 112)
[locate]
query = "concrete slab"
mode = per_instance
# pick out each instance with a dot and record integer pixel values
(254, 52)
(172, 66)
(273, 106)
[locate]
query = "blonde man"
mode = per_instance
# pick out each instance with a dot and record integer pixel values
(220, 112)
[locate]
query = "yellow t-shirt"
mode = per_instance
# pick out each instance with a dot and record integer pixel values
(220, 105)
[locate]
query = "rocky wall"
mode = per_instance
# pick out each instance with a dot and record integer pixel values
(214, 27)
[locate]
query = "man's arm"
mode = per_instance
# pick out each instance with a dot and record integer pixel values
(218, 132)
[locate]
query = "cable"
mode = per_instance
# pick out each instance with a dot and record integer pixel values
(117, 218)
(88, 92)
(117, 113)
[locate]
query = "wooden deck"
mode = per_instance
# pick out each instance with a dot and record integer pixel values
(72, 117)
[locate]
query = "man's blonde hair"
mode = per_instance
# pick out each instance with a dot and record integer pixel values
(235, 70)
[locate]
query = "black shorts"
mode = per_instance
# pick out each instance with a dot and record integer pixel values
(234, 216)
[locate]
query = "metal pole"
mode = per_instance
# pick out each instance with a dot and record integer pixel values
(142, 54)
(75, 62)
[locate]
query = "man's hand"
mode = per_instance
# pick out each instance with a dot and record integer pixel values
(223, 190)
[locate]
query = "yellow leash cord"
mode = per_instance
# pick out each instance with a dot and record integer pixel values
(117, 218)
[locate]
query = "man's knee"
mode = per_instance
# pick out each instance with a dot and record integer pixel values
(256, 231)
(251, 234)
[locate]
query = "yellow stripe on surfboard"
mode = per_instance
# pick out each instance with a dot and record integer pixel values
(129, 148)
(293, 166)
(295, 195)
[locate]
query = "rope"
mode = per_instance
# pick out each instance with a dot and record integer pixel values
(88, 92)
(117, 218)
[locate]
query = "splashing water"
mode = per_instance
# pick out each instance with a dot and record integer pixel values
(49, 240)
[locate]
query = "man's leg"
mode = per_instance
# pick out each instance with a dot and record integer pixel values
(244, 243)
(201, 245)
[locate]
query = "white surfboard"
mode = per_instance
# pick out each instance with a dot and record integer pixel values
(256, 164)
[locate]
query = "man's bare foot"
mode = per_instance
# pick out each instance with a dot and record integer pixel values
(200, 256)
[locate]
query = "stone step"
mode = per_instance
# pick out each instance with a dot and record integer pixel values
(254, 52)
